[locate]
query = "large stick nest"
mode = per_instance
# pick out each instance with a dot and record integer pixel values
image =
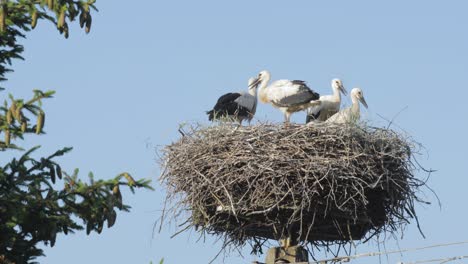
(316, 184)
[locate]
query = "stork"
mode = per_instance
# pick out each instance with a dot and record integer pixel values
(330, 104)
(288, 96)
(239, 106)
(350, 114)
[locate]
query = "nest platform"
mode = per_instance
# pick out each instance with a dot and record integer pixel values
(316, 184)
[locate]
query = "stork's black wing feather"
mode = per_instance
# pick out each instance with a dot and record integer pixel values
(303, 96)
(225, 99)
(226, 106)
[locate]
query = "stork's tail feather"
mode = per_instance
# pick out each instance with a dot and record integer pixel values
(315, 96)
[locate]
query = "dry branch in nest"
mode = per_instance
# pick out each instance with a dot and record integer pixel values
(323, 184)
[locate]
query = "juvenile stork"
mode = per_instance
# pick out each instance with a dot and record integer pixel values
(330, 104)
(288, 96)
(238, 106)
(350, 114)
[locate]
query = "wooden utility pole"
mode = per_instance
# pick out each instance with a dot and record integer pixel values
(288, 252)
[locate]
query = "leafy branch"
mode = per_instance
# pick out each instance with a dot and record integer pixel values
(16, 115)
(20, 16)
(33, 211)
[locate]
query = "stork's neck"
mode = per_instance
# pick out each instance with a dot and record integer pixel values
(336, 94)
(262, 89)
(253, 91)
(355, 107)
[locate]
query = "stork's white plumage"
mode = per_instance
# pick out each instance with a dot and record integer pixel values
(288, 96)
(330, 104)
(350, 114)
(239, 106)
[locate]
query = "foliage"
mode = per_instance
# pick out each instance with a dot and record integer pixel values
(33, 209)
(20, 16)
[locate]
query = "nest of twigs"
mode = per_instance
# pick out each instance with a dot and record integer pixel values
(317, 184)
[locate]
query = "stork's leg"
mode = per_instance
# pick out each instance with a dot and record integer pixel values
(287, 117)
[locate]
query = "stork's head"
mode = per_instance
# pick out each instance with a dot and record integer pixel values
(338, 84)
(251, 81)
(261, 77)
(253, 84)
(357, 93)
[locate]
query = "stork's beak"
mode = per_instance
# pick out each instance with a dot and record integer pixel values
(363, 101)
(255, 83)
(342, 89)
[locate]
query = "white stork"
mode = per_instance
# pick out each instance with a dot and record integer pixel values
(352, 113)
(288, 96)
(330, 104)
(239, 106)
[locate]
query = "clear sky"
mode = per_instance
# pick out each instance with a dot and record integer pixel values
(148, 66)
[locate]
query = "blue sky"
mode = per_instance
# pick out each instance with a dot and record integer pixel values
(148, 66)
